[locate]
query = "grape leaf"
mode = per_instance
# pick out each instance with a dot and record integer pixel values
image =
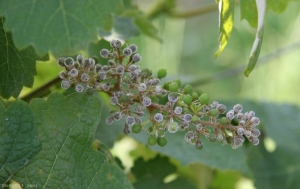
(150, 174)
(66, 127)
(18, 138)
(213, 154)
(63, 27)
(281, 168)
(255, 51)
(249, 12)
(124, 28)
(226, 16)
(17, 67)
(278, 5)
(144, 25)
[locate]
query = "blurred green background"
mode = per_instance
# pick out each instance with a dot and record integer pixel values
(187, 52)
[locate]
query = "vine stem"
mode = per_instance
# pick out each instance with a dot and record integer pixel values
(41, 91)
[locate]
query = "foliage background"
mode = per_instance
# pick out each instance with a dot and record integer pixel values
(187, 51)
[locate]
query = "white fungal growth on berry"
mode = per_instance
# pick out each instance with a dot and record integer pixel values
(136, 92)
(130, 120)
(173, 127)
(178, 110)
(158, 117)
(65, 84)
(230, 115)
(104, 53)
(187, 118)
(142, 87)
(85, 77)
(146, 101)
(79, 88)
(127, 52)
(237, 108)
(136, 58)
(73, 72)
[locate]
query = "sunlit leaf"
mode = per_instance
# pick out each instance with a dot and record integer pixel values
(255, 51)
(226, 17)
(63, 27)
(18, 139)
(66, 126)
(249, 12)
(278, 5)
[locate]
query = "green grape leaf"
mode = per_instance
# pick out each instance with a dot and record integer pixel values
(145, 26)
(213, 154)
(280, 168)
(226, 17)
(18, 138)
(66, 126)
(150, 174)
(63, 27)
(278, 6)
(255, 51)
(124, 28)
(249, 12)
(17, 67)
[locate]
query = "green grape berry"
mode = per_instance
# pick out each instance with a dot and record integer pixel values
(213, 112)
(194, 118)
(188, 89)
(152, 140)
(162, 141)
(224, 120)
(195, 95)
(212, 137)
(187, 99)
(162, 73)
(166, 85)
(160, 133)
(199, 145)
(173, 87)
(136, 128)
(178, 81)
(204, 98)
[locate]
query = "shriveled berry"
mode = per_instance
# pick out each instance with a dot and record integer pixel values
(221, 108)
(133, 48)
(104, 53)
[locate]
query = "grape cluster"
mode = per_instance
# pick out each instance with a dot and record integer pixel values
(135, 92)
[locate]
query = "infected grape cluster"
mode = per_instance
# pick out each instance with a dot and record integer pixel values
(137, 92)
